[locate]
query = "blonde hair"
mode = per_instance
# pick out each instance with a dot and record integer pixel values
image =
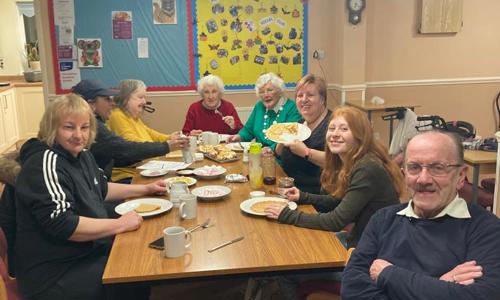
(317, 81)
(335, 176)
(70, 104)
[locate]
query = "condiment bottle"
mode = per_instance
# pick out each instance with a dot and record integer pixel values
(268, 166)
(254, 166)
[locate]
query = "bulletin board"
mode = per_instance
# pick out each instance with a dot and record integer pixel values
(239, 40)
(118, 27)
(170, 44)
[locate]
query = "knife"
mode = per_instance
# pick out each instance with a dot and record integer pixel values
(226, 243)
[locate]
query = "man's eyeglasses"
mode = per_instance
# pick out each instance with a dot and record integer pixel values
(435, 169)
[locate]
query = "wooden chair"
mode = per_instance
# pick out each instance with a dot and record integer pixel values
(8, 285)
(321, 289)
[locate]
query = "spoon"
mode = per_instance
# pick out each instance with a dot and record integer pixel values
(203, 225)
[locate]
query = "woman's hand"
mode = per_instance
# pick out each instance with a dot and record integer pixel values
(130, 221)
(158, 187)
(178, 142)
(297, 147)
(292, 194)
(234, 138)
(175, 135)
(464, 273)
(229, 120)
(273, 211)
(267, 150)
(195, 132)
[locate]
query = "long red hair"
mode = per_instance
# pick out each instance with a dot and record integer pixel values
(335, 175)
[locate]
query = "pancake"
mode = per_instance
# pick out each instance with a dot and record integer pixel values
(260, 206)
(144, 208)
(276, 131)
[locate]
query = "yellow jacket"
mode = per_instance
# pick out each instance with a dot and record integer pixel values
(132, 129)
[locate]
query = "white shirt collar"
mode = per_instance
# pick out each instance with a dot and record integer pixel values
(456, 209)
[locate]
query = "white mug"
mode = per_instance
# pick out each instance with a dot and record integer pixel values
(176, 189)
(177, 241)
(210, 138)
(188, 206)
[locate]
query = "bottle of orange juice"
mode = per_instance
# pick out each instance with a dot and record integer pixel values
(254, 166)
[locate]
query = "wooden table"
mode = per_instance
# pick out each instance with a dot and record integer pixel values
(267, 246)
(369, 107)
(481, 161)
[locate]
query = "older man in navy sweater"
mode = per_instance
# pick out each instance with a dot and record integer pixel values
(436, 247)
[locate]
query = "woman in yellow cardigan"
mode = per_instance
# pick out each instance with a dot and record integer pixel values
(125, 121)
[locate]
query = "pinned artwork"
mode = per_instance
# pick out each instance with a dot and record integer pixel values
(242, 39)
(89, 53)
(164, 12)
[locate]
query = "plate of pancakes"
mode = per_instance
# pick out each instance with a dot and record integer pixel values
(145, 206)
(256, 206)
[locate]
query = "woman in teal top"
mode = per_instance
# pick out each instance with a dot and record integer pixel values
(272, 108)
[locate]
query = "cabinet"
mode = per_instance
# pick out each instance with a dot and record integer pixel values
(9, 131)
(30, 109)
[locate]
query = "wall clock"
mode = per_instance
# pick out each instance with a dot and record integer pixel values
(355, 8)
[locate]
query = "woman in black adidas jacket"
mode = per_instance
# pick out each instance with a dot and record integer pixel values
(63, 231)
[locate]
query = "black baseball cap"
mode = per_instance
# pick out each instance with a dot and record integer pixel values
(89, 89)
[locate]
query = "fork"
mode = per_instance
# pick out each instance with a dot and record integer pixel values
(219, 113)
(203, 225)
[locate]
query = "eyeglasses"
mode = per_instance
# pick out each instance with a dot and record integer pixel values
(435, 169)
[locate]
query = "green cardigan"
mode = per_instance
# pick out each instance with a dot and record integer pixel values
(255, 123)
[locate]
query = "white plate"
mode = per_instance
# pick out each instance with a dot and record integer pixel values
(237, 146)
(209, 172)
(303, 134)
(247, 204)
(154, 173)
(127, 206)
(211, 192)
(188, 180)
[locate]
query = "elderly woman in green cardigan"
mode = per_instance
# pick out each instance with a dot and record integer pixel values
(272, 108)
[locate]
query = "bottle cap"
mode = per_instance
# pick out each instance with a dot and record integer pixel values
(255, 148)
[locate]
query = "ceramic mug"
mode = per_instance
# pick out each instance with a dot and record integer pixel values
(210, 138)
(188, 206)
(177, 188)
(177, 241)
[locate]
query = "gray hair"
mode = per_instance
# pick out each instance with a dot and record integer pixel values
(455, 141)
(210, 80)
(276, 81)
(127, 88)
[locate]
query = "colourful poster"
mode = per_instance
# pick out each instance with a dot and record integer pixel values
(240, 40)
(89, 53)
(122, 25)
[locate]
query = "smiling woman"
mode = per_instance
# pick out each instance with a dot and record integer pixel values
(211, 113)
(272, 107)
(303, 160)
(125, 121)
(60, 194)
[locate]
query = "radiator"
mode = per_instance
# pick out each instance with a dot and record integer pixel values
(244, 113)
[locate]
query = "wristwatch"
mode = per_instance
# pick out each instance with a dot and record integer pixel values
(308, 154)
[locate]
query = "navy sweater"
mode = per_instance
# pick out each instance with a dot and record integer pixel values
(422, 250)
